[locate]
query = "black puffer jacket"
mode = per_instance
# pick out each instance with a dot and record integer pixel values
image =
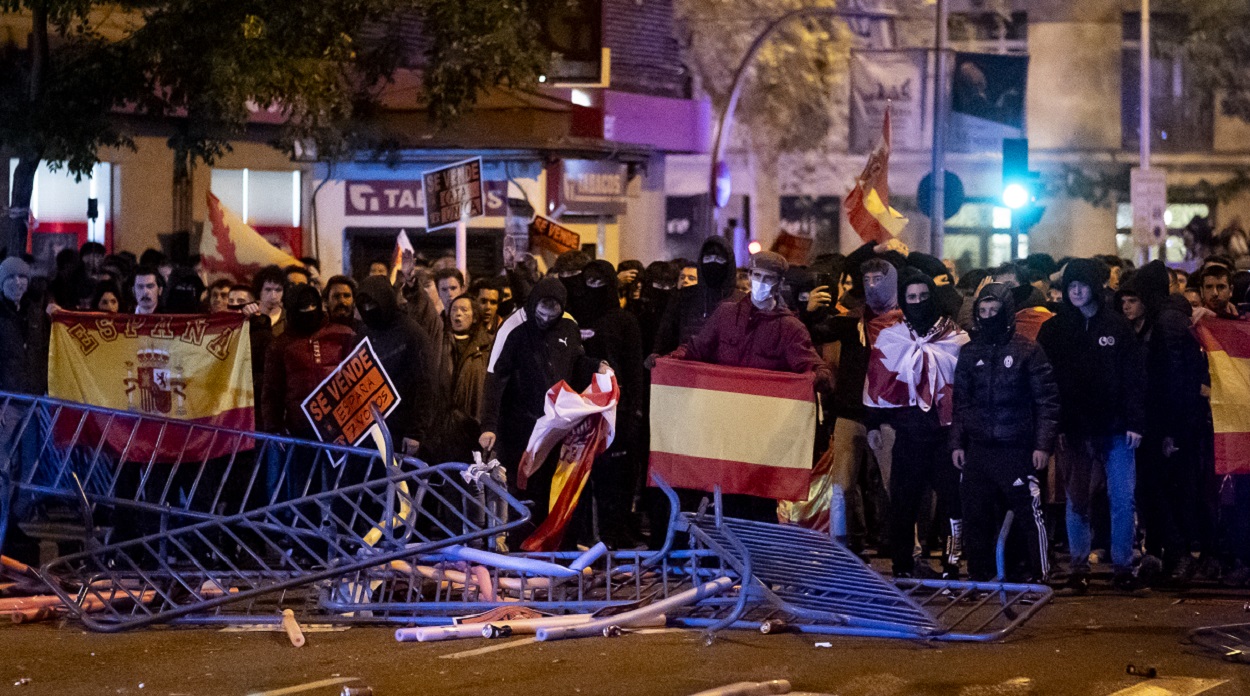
(1099, 363)
(1175, 366)
(1005, 390)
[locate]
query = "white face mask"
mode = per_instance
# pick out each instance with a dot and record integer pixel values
(760, 291)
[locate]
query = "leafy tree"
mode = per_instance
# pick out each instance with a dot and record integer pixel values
(1217, 48)
(201, 66)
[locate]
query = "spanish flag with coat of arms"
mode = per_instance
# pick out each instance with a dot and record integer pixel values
(192, 369)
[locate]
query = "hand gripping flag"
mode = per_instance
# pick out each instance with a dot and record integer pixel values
(583, 425)
(745, 430)
(925, 364)
(868, 203)
(1227, 344)
(230, 247)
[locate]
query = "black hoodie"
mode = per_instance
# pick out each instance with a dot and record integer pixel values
(1175, 366)
(1098, 361)
(530, 360)
(1005, 390)
(402, 347)
(689, 310)
(610, 333)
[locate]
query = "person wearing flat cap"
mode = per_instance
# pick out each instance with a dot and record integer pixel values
(758, 331)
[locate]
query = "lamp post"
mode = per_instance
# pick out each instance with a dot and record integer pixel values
(718, 176)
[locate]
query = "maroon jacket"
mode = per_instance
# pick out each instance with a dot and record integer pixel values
(294, 366)
(740, 335)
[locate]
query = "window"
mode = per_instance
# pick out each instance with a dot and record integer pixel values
(61, 204)
(1182, 119)
(989, 32)
(269, 201)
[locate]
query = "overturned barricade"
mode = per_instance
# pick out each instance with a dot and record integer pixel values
(213, 525)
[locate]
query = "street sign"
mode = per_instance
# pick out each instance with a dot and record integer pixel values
(551, 234)
(339, 407)
(448, 190)
(1149, 196)
(952, 198)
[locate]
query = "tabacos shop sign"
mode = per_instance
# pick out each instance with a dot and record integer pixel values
(405, 197)
(588, 187)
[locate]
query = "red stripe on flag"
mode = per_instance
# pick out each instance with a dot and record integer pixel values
(163, 441)
(1232, 337)
(738, 380)
(702, 473)
(1232, 453)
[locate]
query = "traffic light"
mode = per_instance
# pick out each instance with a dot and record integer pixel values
(1021, 187)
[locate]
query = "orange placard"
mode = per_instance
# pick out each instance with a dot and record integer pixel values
(339, 407)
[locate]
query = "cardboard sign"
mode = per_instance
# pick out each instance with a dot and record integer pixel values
(553, 235)
(339, 407)
(449, 189)
(1148, 190)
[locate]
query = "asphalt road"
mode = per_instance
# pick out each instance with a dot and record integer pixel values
(1074, 647)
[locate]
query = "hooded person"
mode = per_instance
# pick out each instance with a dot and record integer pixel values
(1005, 421)
(530, 357)
(945, 293)
(298, 360)
(403, 349)
(611, 334)
(659, 281)
(1168, 466)
(183, 291)
(1099, 365)
(24, 331)
(915, 360)
(690, 309)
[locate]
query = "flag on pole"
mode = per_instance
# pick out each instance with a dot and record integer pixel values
(231, 247)
(1227, 344)
(746, 430)
(583, 425)
(868, 203)
(402, 244)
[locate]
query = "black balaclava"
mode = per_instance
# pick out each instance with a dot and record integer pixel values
(720, 276)
(996, 329)
(658, 273)
(304, 312)
(944, 290)
(547, 288)
(376, 302)
(1152, 283)
(922, 316)
(594, 302)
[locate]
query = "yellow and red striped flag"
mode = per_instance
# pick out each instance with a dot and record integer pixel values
(748, 431)
(868, 204)
(1227, 344)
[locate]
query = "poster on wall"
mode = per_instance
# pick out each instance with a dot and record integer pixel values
(893, 78)
(987, 101)
(687, 216)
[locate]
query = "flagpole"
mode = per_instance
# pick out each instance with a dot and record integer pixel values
(937, 214)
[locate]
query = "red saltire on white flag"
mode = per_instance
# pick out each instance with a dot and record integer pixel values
(867, 205)
(923, 368)
(231, 247)
(583, 425)
(748, 431)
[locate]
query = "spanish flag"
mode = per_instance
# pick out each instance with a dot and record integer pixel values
(1227, 344)
(747, 431)
(192, 369)
(867, 205)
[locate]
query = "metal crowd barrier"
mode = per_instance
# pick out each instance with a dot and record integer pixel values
(1229, 641)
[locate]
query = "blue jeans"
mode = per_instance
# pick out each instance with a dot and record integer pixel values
(1086, 462)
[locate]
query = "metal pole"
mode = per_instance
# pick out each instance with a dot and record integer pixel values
(1143, 252)
(937, 218)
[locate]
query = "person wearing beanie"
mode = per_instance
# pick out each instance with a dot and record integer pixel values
(1100, 367)
(24, 331)
(918, 357)
(1005, 422)
(758, 332)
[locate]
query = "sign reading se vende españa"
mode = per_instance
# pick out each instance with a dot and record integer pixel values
(339, 407)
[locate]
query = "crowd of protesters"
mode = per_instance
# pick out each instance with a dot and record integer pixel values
(1071, 389)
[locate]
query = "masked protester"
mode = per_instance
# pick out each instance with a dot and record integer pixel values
(694, 305)
(855, 333)
(757, 331)
(918, 355)
(298, 360)
(530, 357)
(1171, 484)
(945, 293)
(402, 348)
(1100, 367)
(1006, 419)
(658, 285)
(611, 334)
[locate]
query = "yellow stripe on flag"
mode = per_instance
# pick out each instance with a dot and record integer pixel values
(762, 430)
(1230, 392)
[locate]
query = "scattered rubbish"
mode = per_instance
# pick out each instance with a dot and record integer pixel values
(291, 626)
(22, 682)
(357, 691)
(1142, 671)
(774, 626)
(765, 688)
(824, 644)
